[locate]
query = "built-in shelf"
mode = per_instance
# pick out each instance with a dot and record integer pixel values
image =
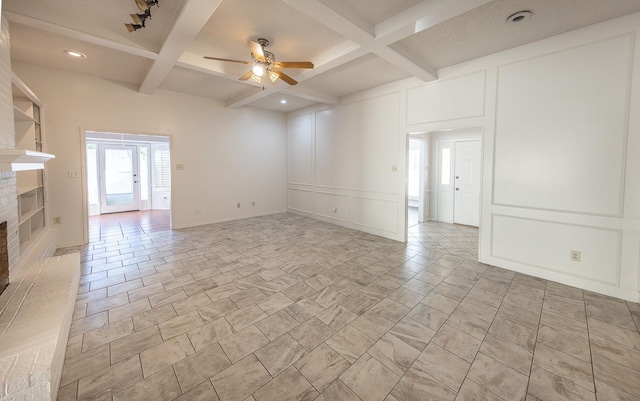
(22, 159)
(28, 160)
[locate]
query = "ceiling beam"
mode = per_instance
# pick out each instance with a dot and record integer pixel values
(192, 18)
(245, 100)
(78, 35)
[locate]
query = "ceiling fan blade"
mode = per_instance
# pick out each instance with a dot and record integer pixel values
(246, 76)
(285, 77)
(227, 59)
(293, 64)
(256, 49)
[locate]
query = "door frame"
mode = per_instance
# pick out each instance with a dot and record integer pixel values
(83, 170)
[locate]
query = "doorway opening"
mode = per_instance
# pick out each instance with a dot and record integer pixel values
(128, 181)
(444, 170)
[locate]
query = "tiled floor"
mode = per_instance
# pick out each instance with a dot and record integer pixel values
(114, 226)
(287, 308)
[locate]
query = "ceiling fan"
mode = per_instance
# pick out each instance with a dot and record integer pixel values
(264, 62)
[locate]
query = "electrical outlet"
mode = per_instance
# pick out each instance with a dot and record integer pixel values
(180, 166)
(72, 174)
(394, 169)
(238, 205)
(198, 211)
(575, 256)
(57, 220)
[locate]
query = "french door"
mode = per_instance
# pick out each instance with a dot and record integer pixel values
(119, 191)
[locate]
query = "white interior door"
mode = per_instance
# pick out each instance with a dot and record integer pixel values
(467, 183)
(445, 181)
(119, 188)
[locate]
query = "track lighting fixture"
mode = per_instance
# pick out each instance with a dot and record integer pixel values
(139, 19)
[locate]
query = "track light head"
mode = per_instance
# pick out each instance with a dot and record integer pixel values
(144, 5)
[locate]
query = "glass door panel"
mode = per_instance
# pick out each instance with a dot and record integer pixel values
(118, 179)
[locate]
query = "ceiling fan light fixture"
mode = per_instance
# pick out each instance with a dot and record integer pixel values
(256, 78)
(258, 70)
(273, 76)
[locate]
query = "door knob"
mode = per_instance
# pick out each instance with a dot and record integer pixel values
(457, 177)
(457, 189)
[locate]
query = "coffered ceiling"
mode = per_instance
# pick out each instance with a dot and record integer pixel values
(354, 44)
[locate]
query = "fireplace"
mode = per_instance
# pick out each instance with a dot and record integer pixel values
(4, 257)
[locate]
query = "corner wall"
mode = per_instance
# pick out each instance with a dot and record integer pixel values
(561, 123)
(230, 156)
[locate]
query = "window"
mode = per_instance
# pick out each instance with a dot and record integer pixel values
(413, 184)
(162, 177)
(446, 166)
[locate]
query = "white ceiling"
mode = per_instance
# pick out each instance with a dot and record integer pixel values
(354, 44)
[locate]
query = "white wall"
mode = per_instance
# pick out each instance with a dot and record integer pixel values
(229, 155)
(561, 135)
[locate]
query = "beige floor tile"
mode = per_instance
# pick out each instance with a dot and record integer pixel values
(616, 352)
(492, 286)
(521, 302)
(277, 324)
(375, 291)
(210, 333)
(200, 366)
(350, 343)
(441, 303)
(124, 287)
(274, 303)
(299, 291)
(451, 291)
(281, 353)
(240, 380)
(202, 392)
(243, 343)
(607, 392)
(564, 365)
(394, 353)
(503, 381)
(507, 353)
(290, 385)
(486, 297)
(162, 355)
(85, 364)
(128, 310)
(358, 303)
(616, 375)
(519, 316)
(390, 309)
(417, 385)
(576, 346)
(145, 292)
(614, 333)
(68, 392)
(304, 309)
(245, 317)
(545, 385)
(457, 342)
(161, 386)
(442, 365)
(311, 333)
(106, 334)
(216, 310)
(406, 297)
(337, 316)
(571, 308)
(338, 391)
(322, 366)
(413, 333)
(372, 324)
(180, 324)
(191, 303)
(167, 297)
(564, 291)
(106, 303)
(74, 346)
(471, 390)
(370, 379)
(561, 323)
(153, 317)
(89, 323)
(135, 343)
(478, 309)
(523, 336)
(222, 292)
(247, 297)
(428, 316)
(106, 382)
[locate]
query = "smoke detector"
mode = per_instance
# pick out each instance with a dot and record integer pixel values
(519, 17)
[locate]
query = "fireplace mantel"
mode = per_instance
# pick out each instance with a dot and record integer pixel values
(22, 159)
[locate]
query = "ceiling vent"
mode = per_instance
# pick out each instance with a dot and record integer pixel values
(519, 17)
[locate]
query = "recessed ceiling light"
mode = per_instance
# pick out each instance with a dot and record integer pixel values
(75, 54)
(283, 101)
(519, 17)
